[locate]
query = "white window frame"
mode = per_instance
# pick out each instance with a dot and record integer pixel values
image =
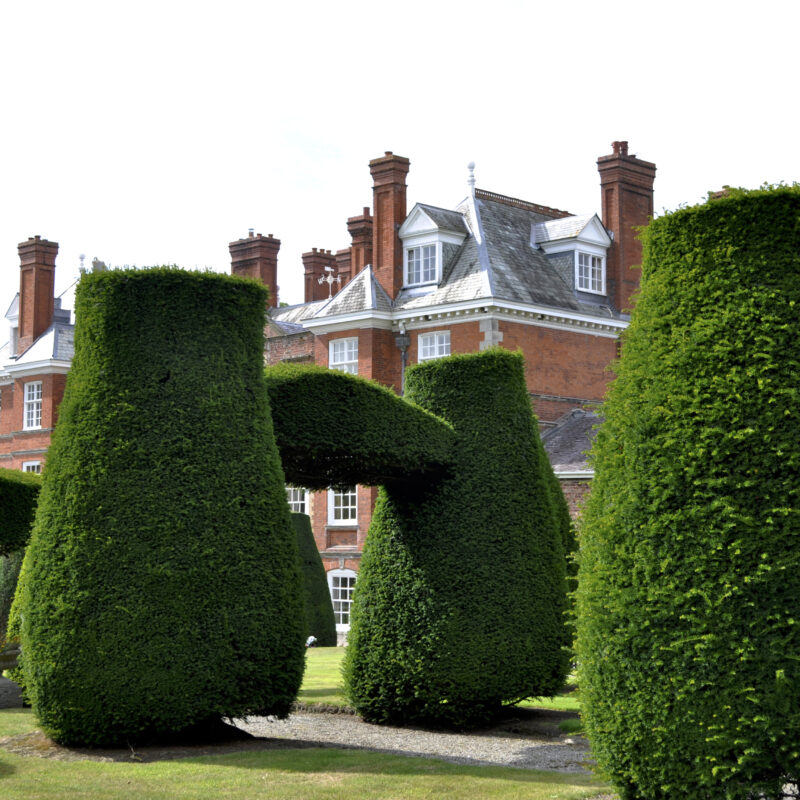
(590, 277)
(32, 406)
(343, 355)
(343, 507)
(341, 584)
(428, 256)
(297, 498)
(435, 344)
(32, 466)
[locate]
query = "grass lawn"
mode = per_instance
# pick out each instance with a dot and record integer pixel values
(322, 683)
(285, 774)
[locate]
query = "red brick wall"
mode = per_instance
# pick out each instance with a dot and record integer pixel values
(575, 492)
(562, 363)
(295, 347)
(14, 441)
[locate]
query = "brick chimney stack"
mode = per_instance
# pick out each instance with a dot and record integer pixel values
(257, 257)
(314, 264)
(389, 207)
(36, 283)
(360, 230)
(626, 186)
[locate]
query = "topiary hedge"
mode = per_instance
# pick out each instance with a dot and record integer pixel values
(460, 600)
(335, 429)
(689, 584)
(320, 621)
(161, 588)
(9, 574)
(19, 492)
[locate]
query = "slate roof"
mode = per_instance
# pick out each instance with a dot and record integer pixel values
(498, 261)
(291, 316)
(362, 293)
(445, 218)
(564, 228)
(56, 343)
(567, 443)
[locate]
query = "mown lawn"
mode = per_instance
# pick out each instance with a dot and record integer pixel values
(285, 774)
(322, 683)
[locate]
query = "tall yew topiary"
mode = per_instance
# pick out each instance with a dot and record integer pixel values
(689, 584)
(161, 589)
(460, 600)
(320, 621)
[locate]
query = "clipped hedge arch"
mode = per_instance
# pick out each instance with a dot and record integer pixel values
(320, 621)
(161, 587)
(337, 429)
(689, 591)
(460, 603)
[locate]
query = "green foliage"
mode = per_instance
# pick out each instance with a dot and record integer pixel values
(689, 585)
(320, 621)
(337, 429)
(161, 586)
(19, 492)
(460, 600)
(9, 573)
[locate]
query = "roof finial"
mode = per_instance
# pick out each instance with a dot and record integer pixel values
(471, 178)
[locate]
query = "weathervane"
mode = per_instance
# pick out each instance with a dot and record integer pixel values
(330, 279)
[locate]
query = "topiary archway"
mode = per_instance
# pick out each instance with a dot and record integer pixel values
(161, 588)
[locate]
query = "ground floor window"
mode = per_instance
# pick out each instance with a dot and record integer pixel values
(297, 499)
(31, 466)
(342, 582)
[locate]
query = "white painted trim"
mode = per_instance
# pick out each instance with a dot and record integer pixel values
(49, 367)
(341, 523)
(343, 322)
(518, 312)
(585, 251)
(341, 573)
(578, 474)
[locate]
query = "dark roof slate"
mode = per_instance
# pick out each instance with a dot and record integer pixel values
(567, 443)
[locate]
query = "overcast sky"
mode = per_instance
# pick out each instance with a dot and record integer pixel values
(157, 132)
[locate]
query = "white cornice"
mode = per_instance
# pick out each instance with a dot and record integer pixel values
(436, 315)
(523, 313)
(343, 322)
(575, 475)
(50, 366)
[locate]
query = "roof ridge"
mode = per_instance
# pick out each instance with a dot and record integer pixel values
(516, 202)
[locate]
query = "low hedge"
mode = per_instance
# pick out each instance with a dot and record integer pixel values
(335, 429)
(461, 596)
(689, 585)
(19, 493)
(320, 621)
(161, 589)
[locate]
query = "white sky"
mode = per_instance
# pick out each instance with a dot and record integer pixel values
(157, 132)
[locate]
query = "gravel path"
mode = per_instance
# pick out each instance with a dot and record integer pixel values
(530, 740)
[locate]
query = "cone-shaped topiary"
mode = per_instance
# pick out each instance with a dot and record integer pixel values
(320, 621)
(460, 600)
(689, 584)
(161, 587)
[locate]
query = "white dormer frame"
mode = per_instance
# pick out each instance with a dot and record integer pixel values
(591, 240)
(419, 231)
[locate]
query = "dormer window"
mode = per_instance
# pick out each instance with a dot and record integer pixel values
(431, 236)
(590, 275)
(421, 265)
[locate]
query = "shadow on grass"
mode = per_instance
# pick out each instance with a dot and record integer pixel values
(363, 761)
